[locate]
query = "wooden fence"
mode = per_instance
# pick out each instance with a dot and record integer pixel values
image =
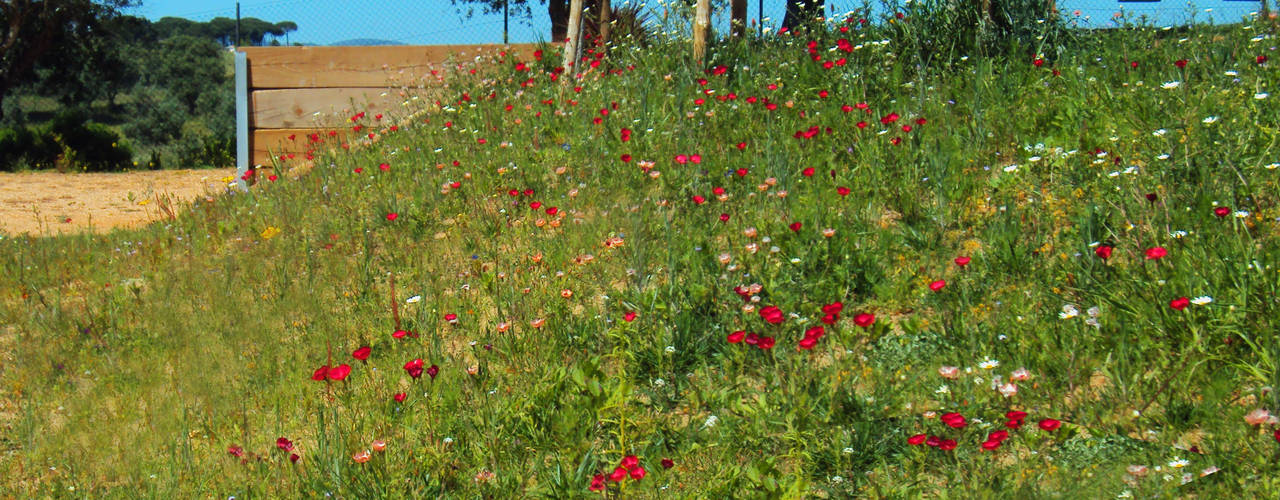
(287, 97)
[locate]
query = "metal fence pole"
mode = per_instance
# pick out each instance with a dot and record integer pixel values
(237, 44)
(505, 19)
(242, 120)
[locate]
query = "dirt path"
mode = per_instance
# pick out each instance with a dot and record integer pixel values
(54, 203)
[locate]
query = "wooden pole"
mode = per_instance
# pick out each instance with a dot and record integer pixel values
(738, 14)
(701, 24)
(606, 17)
(574, 34)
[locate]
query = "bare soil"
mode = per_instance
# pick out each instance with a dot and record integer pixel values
(48, 203)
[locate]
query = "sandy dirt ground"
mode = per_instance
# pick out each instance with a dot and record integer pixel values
(45, 203)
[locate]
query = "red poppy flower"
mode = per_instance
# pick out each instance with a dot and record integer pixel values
(235, 451)
(724, 217)
(771, 314)
(962, 261)
(752, 339)
(667, 463)
(990, 445)
(736, 337)
(1180, 63)
(399, 334)
(916, 440)
(699, 199)
(1179, 303)
(618, 474)
(340, 372)
(1156, 253)
(842, 191)
(816, 332)
(954, 420)
(795, 226)
(284, 444)
(320, 373)
(630, 461)
(833, 308)
(362, 353)
(998, 436)
(1015, 415)
(1050, 424)
(937, 285)
(399, 397)
(432, 371)
(1260, 59)
(414, 368)
(597, 483)
(864, 320)
(637, 473)
(1013, 424)
(1221, 211)
(392, 216)
(1103, 251)
(629, 316)
(766, 343)
(947, 445)
(808, 172)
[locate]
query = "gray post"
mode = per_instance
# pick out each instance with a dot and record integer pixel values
(237, 24)
(505, 16)
(760, 9)
(242, 120)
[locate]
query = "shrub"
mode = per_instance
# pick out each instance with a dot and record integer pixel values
(92, 146)
(23, 147)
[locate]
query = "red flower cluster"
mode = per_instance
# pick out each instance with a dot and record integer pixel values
(628, 467)
(994, 439)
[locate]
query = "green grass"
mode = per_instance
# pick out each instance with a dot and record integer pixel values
(134, 361)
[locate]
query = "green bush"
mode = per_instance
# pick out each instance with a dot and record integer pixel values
(91, 146)
(22, 147)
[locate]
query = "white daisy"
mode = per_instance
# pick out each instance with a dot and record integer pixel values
(1171, 85)
(1202, 300)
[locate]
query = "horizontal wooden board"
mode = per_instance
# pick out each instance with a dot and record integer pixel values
(380, 66)
(318, 108)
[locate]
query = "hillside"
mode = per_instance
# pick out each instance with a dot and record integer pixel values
(850, 263)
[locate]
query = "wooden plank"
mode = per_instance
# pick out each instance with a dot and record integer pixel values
(381, 66)
(299, 141)
(308, 108)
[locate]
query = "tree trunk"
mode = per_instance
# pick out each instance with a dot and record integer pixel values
(574, 40)
(606, 17)
(802, 12)
(701, 25)
(738, 15)
(558, 10)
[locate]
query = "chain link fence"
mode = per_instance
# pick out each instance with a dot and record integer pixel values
(473, 22)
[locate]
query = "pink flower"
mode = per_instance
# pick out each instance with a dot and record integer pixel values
(937, 285)
(949, 372)
(1260, 417)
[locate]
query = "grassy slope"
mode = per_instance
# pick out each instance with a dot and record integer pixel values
(133, 361)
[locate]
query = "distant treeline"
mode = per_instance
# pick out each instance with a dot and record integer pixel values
(104, 91)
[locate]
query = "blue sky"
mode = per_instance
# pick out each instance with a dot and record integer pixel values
(430, 22)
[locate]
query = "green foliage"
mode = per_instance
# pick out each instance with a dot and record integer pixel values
(93, 146)
(23, 147)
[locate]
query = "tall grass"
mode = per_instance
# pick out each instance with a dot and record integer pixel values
(597, 300)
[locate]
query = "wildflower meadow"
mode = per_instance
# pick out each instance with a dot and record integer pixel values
(858, 260)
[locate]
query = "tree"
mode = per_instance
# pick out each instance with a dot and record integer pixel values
(45, 33)
(190, 66)
(802, 12)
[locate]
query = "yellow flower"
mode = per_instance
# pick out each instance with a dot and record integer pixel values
(270, 232)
